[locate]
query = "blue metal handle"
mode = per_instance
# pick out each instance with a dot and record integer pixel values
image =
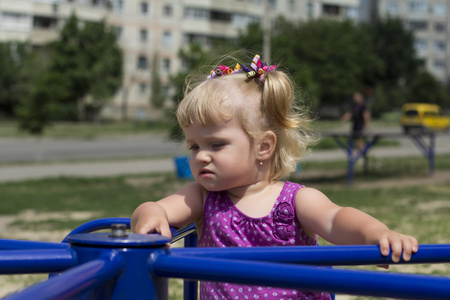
(98, 224)
(74, 281)
(322, 256)
(369, 283)
(36, 261)
(106, 223)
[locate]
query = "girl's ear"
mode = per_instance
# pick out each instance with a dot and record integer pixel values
(266, 145)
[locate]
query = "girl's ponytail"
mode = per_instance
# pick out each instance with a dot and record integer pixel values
(291, 127)
(278, 99)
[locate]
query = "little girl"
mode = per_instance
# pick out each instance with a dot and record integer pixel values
(244, 136)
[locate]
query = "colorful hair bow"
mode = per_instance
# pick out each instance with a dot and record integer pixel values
(224, 70)
(257, 69)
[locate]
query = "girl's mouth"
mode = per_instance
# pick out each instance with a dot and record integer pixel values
(205, 173)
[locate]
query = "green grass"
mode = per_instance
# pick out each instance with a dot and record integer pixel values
(328, 143)
(87, 130)
(106, 197)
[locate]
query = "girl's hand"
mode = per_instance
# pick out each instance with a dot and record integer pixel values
(397, 242)
(150, 217)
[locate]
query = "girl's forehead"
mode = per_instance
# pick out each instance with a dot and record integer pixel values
(220, 127)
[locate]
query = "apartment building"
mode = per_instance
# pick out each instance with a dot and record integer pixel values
(151, 33)
(429, 20)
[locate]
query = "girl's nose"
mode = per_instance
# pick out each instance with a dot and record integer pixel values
(203, 156)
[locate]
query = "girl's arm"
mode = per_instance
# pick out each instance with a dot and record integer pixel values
(179, 209)
(349, 226)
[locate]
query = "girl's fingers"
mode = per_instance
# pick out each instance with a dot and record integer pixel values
(410, 245)
(396, 247)
(384, 246)
(165, 231)
(407, 249)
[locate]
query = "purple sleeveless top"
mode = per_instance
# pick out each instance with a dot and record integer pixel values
(224, 225)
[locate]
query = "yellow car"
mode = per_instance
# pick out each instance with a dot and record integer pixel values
(423, 117)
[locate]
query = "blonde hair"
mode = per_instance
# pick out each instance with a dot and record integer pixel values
(268, 105)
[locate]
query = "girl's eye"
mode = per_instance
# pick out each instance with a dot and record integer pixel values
(193, 148)
(217, 145)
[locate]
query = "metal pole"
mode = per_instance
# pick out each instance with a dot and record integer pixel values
(75, 281)
(431, 153)
(266, 24)
(322, 255)
(36, 261)
(366, 283)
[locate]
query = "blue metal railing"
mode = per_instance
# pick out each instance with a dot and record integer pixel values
(106, 266)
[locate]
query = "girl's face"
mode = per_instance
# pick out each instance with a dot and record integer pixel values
(222, 155)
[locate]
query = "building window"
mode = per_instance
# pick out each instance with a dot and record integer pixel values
(117, 31)
(418, 7)
(220, 16)
(310, 9)
(167, 38)
(242, 20)
(167, 11)
(418, 25)
(143, 35)
(352, 13)
(142, 62)
(439, 27)
(118, 6)
(440, 10)
(15, 21)
(439, 65)
(196, 13)
(272, 4)
(439, 46)
(44, 22)
(331, 10)
(292, 6)
(166, 65)
(142, 88)
(392, 8)
(144, 8)
(420, 45)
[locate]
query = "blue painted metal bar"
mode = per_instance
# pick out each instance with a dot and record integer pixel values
(367, 283)
(190, 287)
(98, 225)
(345, 142)
(322, 256)
(184, 232)
(6, 244)
(348, 148)
(105, 223)
(75, 281)
(36, 261)
(426, 150)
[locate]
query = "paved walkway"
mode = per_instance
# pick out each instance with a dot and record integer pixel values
(155, 165)
(91, 169)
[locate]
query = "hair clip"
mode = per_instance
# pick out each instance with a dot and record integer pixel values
(258, 69)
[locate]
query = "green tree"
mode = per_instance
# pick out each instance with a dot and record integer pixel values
(339, 55)
(18, 66)
(329, 60)
(90, 61)
(9, 69)
(193, 57)
(394, 45)
(425, 88)
(157, 96)
(104, 62)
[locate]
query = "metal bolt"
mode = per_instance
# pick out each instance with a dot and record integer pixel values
(118, 230)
